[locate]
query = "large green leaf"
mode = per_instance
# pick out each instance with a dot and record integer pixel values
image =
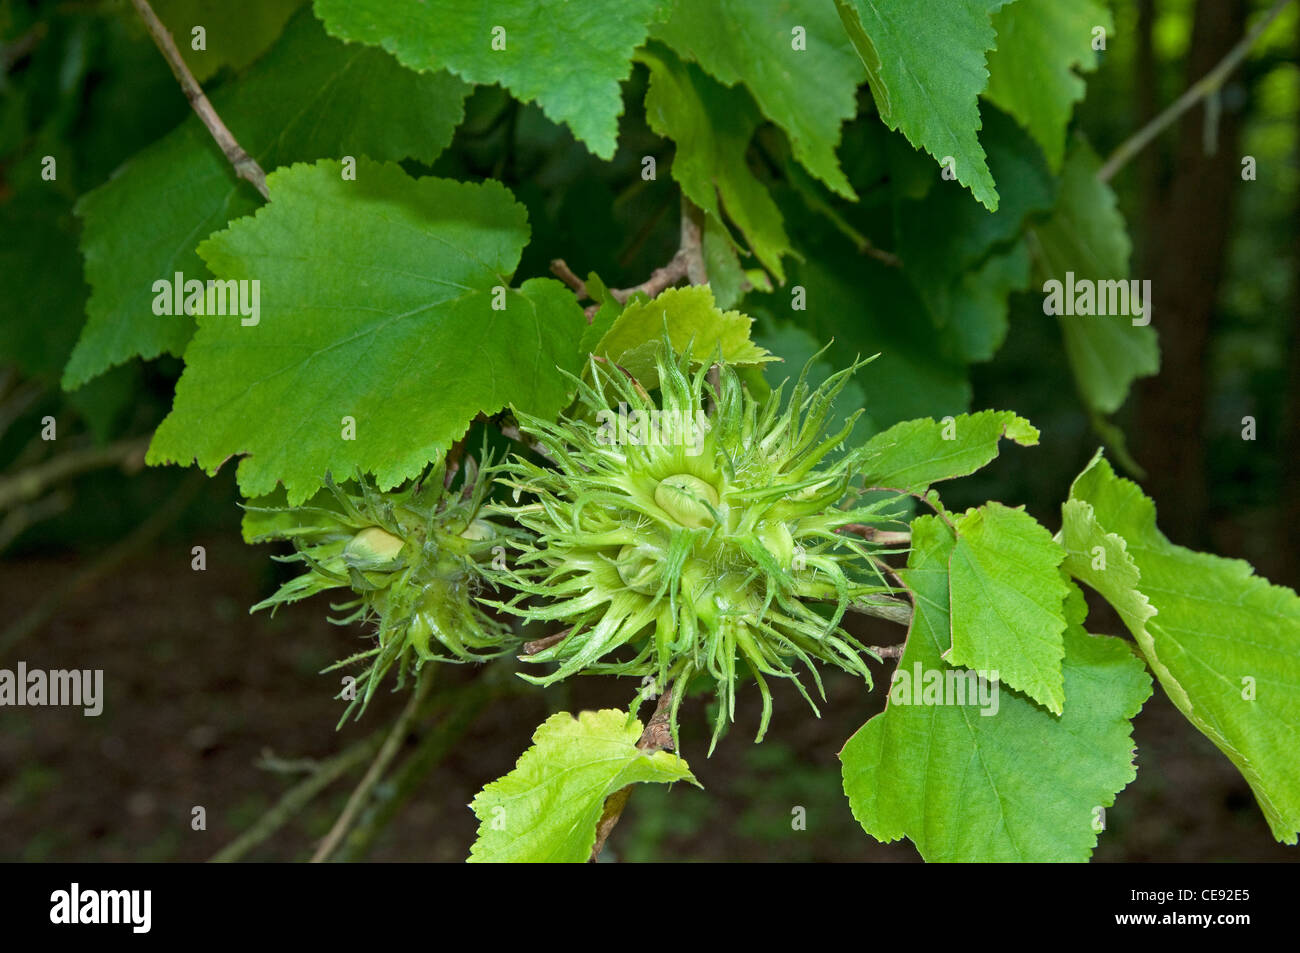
(1086, 236)
(807, 91)
(235, 32)
(964, 260)
(1019, 785)
(1224, 643)
(691, 319)
(1031, 73)
(547, 808)
(915, 453)
(40, 281)
(380, 304)
(567, 55)
(1008, 601)
(712, 126)
(925, 66)
(310, 97)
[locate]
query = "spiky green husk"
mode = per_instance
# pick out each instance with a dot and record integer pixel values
(411, 562)
(670, 564)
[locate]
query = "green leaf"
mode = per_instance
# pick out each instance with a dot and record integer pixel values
(609, 309)
(547, 808)
(1224, 642)
(692, 320)
(235, 32)
(1031, 73)
(979, 304)
(1018, 785)
(853, 302)
(915, 453)
(567, 55)
(727, 277)
(1007, 601)
(40, 281)
(808, 92)
(962, 259)
(712, 126)
(925, 66)
(1086, 236)
(377, 305)
(310, 97)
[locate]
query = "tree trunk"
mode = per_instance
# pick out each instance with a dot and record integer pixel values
(1186, 261)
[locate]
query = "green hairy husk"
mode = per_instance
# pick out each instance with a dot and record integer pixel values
(411, 562)
(668, 564)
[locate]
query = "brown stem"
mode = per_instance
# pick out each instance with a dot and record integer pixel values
(657, 736)
(659, 279)
(561, 270)
(889, 651)
(882, 536)
(245, 166)
(540, 645)
(688, 263)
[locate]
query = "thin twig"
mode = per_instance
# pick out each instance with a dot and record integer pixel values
(687, 262)
(892, 610)
(245, 166)
(32, 482)
(539, 645)
(657, 736)
(464, 705)
(386, 754)
(298, 797)
(692, 242)
(561, 270)
(882, 536)
(1205, 86)
(660, 279)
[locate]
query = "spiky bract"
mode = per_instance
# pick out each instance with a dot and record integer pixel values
(410, 559)
(676, 542)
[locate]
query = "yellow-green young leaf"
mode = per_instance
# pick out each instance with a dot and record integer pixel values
(1031, 73)
(1019, 784)
(1008, 601)
(915, 453)
(1224, 643)
(793, 56)
(692, 319)
(712, 126)
(310, 97)
(235, 32)
(925, 66)
(386, 324)
(567, 55)
(1085, 237)
(547, 808)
